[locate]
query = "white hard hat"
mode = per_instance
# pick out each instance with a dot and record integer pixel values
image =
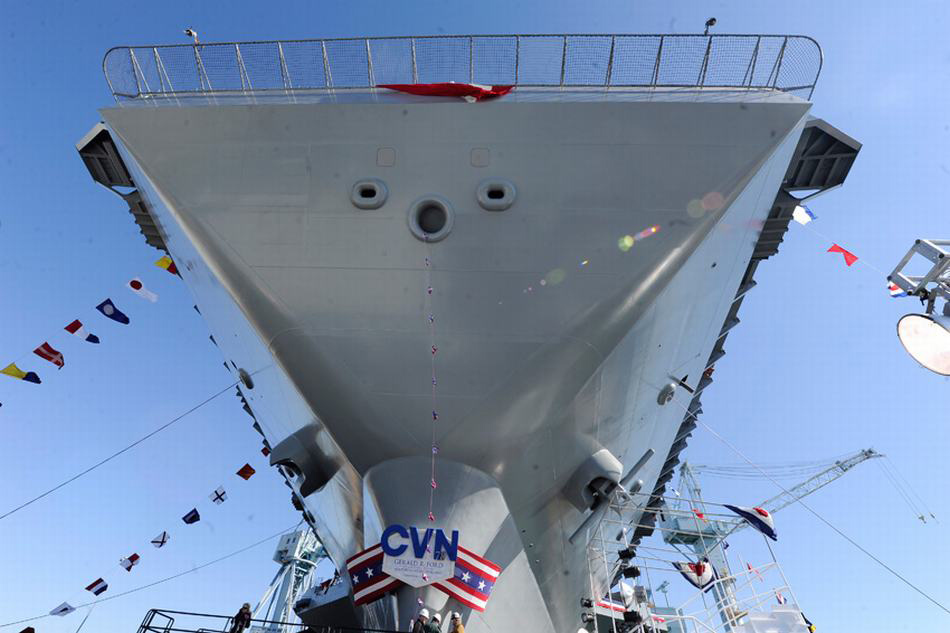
(437, 617)
(424, 613)
(456, 616)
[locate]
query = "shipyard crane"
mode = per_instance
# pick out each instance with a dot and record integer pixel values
(786, 497)
(298, 554)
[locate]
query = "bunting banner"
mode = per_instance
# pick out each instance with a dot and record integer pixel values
(109, 310)
(161, 539)
(136, 286)
(469, 92)
(15, 372)
(63, 609)
(98, 586)
(700, 574)
(166, 263)
(849, 257)
(46, 352)
(368, 580)
(130, 562)
(473, 580)
(758, 518)
(76, 328)
(246, 472)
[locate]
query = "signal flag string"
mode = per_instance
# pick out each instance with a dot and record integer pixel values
(434, 350)
(165, 579)
(125, 449)
(814, 513)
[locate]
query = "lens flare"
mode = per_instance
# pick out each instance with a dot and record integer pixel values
(625, 243)
(695, 208)
(554, 277)
(713, 201)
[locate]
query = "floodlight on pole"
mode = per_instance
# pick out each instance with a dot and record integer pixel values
(926, 337)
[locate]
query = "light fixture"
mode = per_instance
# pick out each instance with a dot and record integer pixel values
(926, 337)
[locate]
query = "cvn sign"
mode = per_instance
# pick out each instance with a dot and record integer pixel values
(419, 556)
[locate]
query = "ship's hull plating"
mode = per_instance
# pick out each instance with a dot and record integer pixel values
(324, 303)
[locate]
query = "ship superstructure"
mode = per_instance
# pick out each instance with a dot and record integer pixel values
(588, 239)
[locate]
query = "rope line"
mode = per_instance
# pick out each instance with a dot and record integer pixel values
(116, 454)
(162, 580)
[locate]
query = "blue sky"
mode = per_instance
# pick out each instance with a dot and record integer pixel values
(814, 370)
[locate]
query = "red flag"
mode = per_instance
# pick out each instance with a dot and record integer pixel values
(469, 92)
(246, 471)
(46, 351)
(699, 514)
(849, 257)
(265, 451)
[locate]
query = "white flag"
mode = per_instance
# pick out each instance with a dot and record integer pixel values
(161, 539)
(218, 496)
(63, 609)
(803, 214)
(136, 286)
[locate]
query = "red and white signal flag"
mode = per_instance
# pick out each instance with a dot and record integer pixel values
(136, 286)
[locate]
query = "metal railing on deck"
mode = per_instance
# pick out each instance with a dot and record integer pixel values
(166, 621)
(789, 63)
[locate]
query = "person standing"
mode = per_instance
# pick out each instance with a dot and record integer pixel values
(455, 623)
(241, 619)
(419, 626)
(435, 624)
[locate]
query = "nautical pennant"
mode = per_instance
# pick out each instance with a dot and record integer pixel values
(780, 598)
(473, 581)
(219, 496)
(265, 451)
(98, 586)
(849, 257)
(108, 309)
(700, 575)
(130, 562)
(161, 539)
(63, 609)
(136, 286)
(469, 92)
(46, 352)
(166, 262)
(803, 214)
(246, 472)
(28, 629)
(758, 518)
(192, 517)
(756, 571)
(896, 291)
(19, 374)
(76, 328)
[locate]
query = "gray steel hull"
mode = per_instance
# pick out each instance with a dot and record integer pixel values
(324, 303)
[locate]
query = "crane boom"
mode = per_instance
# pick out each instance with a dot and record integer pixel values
(807, 487)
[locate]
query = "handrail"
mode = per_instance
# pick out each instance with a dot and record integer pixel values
(787, 63)
(225, 622)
